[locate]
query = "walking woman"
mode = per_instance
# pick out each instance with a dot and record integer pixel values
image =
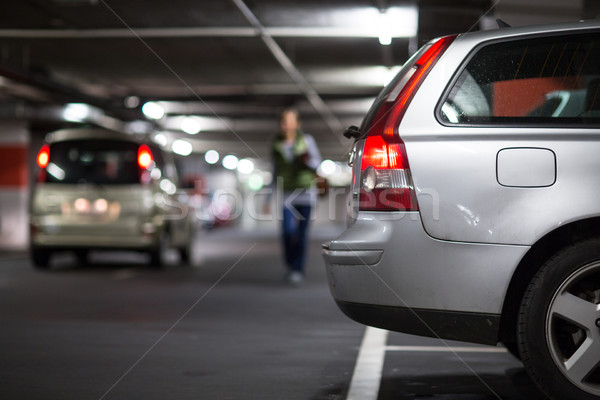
(296, 159)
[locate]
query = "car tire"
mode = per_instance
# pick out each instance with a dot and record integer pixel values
(559, 324)
(513, 349)
(184, 255)
(158, 253)
(83, 257)
(40, 258)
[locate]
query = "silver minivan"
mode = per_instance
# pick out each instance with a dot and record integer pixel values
(474, 211)
(98, 189)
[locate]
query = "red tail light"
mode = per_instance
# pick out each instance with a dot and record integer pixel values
(43, 156)
(386, 184)
(385, 178)
(145, 157)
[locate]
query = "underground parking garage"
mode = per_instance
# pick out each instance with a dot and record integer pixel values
(144, 247)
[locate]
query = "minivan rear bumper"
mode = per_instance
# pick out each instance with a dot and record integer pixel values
(126, 234)
(386, 271)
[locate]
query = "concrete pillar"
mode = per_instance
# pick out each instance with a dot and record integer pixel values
(14, 175)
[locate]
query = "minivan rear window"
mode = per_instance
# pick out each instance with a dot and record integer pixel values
(93, 161)
(549, 80)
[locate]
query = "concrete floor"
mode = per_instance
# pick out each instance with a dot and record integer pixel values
(225, 327)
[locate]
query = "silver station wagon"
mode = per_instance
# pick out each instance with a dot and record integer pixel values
(104, 190)
(475, 204)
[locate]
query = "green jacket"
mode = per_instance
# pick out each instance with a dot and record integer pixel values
(295, 173)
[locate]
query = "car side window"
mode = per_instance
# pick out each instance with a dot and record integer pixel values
(546, 80)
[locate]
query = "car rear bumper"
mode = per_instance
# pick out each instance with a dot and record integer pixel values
(386, 271)
(123, 234)
(467, 327)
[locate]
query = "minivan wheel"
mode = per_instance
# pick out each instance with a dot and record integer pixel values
(158, 253)
(559, 324)
(184, 255)
(83, 257)
(40, 258)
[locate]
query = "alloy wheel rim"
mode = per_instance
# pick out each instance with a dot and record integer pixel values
(572, 331)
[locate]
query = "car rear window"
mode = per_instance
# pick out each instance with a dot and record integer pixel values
(396, 84)
(539, 80)
(93, 161)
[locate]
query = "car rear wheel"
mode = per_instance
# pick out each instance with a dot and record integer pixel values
(513, 349)
(40, 258)
(184, 255)
(157, 255)
(559, 324)
(82, 257)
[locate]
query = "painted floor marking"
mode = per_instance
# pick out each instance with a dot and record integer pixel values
(368, 370)
(369, 366)
(451, 349)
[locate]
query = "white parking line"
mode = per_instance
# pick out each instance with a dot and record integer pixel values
(369, 365)
(366, 377)
(453, 349)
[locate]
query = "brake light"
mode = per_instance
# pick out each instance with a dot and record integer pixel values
(386, 183)
(43, 156)
(145, 157)
(385, 177)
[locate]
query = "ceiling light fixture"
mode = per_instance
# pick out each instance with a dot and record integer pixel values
(153, 110)
(230, 162)
(190, 125)
(385, 29)
(211, 156)
(245, 166)
(182, 147)
(76, 112)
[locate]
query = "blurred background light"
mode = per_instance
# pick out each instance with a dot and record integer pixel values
(385, 29)
(190, 125)
(255, 182)
(211, 156)
(245, 166)
(182, 147)
(153, 110)
(131, 101)
(160, 139)
(76, 112)
(168, 186)
(230, 162)
(327, 167)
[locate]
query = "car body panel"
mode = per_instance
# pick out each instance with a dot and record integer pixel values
(454, 168)
(416, 270)
(486, 195)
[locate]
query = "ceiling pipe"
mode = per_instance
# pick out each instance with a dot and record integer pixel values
(311, 94)
(62, 93)
(147, 33)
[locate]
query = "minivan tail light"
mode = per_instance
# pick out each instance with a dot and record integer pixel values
(145, 157)
(386, 183)
(43, 156)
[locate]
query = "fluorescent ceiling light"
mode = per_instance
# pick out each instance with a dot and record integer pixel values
(190, 125)
(76, 112)
(153, 110)
(211, 156)
(182, 147)
(160, 139)
(385, 29)
(245, 166)
(327, 167)
(230, 162)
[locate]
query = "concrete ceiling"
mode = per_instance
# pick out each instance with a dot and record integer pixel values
(235, 64)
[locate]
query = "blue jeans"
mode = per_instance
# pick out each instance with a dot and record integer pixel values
(295, 225)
